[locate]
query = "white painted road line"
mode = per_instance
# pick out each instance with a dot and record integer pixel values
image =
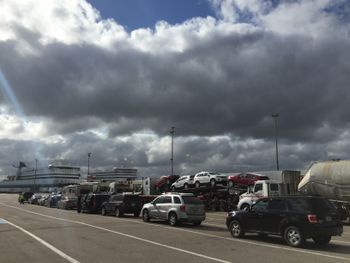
(125, 235)
(43, 242)
(201, 234)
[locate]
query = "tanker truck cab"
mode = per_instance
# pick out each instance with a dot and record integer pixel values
(261, 189)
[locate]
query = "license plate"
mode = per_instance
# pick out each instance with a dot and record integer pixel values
(328, 218)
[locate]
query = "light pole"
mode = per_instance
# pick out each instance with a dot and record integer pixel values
(36, 167)
(275, 116)
(172, 131)
(89, 155)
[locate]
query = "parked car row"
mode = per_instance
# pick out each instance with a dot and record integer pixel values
(294, 218)
(49, 200)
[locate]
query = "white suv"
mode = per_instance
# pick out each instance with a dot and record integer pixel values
(184, 181)
(204, 178)
(175, 208)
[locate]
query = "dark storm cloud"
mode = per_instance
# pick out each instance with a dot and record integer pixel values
(219, 91)
(229, 84)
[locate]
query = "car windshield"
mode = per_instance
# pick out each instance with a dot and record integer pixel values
(191, 200)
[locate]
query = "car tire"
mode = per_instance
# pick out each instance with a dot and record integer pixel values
(103, 211)
(322, 240)
(145, 216)
(197, 184)
(172, 219)
(197, 223)
(212, 183)
(236, 229)
(245, 207)
(186, 186)
(293, 236)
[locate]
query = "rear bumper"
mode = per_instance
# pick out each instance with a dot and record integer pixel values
(192, 218)
(335, 230)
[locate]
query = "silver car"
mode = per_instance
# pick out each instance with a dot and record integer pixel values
(175, 208)
(184, 181)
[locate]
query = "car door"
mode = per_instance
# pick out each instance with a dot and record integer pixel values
(256, 216)
(276, 212)
(164, 207)
(155, 207)
(205, 178)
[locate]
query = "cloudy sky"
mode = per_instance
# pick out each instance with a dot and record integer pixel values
(112, 77)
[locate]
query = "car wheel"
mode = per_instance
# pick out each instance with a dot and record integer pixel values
(172, 219)
(103, 211)
(197, 223)
(186, 186)
(212, 183)
(173, 189)
(245, 207)
(145, 216)
(118, 213)
(236, 229)
(322, 240)
(294, 237)
(197, 184)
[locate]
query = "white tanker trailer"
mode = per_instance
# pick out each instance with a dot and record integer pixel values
(329, 179)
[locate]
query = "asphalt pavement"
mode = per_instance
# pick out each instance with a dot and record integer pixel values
(30, 233)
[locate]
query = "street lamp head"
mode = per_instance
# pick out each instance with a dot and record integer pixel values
(275, 115)
(89, 154)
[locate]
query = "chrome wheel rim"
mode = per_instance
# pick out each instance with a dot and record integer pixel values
(235, 229)
(172, 220)
(293, 236)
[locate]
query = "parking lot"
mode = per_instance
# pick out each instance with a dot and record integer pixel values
(32, 233)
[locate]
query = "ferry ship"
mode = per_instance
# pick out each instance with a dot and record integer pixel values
(40, 178)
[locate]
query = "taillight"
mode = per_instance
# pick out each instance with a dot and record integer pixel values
(312, 218)
(183, 208)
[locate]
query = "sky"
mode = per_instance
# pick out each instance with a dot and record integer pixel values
(113, 77)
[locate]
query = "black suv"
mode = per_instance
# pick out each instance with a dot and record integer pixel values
(293, 218)
(92, 202)
(120, 204)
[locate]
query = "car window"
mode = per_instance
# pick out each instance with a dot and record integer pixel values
(191, 200)
(131, 197)
(298, 205)
(276, 205)
(260, 206)
(258, 187)
(167, 200)
(177, 200)
(159, 200)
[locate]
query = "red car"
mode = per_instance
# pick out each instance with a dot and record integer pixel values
(245, 179)
(165, 181)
